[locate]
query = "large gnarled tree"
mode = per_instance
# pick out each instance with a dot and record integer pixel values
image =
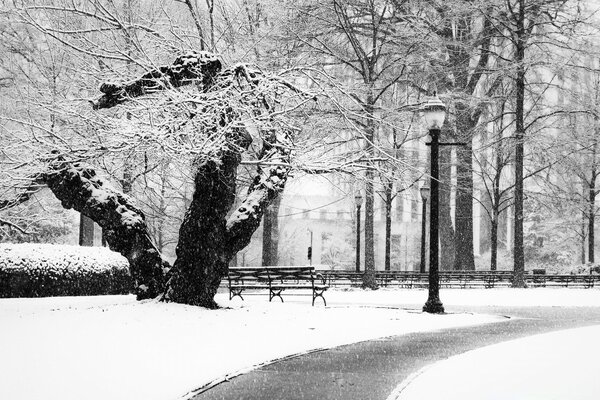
(216, 113)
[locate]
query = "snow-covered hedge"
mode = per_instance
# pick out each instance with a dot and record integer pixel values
(40, 270)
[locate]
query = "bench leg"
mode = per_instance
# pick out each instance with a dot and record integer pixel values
(275, 293)
(318, 293)
(235, 292)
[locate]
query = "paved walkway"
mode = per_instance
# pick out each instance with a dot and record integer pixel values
(374, 369)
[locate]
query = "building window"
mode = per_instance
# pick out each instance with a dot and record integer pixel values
(414, 210)
(323, 214)
(396, 252)
(399, 208)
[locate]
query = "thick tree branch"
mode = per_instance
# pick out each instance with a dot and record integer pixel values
(189, 68)
(123, 223)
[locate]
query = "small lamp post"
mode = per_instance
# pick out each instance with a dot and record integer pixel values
(358, 199)
(434, 113)
(425, 191)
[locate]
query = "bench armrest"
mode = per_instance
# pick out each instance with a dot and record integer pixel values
(321, 277)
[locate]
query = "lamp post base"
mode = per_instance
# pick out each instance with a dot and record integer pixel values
(433, 306)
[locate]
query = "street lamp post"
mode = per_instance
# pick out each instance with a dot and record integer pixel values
(358, 200)
(434, 113)
(425, 191)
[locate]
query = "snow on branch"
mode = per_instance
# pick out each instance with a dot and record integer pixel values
(123, 223)
(36, 183)
(192, 67)
(268, 183)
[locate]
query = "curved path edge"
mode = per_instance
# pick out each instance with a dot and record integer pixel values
(228, 377)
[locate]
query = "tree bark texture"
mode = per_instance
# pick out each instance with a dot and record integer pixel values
(518, 248)
(445, 213)
(270, 241)
(494, 241)
(86, 231)
(496, 198)
(123, 223)
(592, 195)
(202, 259)
(591, 217)
(464, 258)
(583, 235)
(369, 274)
(388, 224)
(266, 239)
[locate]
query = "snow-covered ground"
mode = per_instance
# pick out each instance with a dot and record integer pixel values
(523, 369)
(112, 347)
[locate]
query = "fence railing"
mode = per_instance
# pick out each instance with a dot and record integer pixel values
(460, 279)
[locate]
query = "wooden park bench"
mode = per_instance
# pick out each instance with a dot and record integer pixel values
(586, 281)
(416, 279)
(276, 280)
(342, 277)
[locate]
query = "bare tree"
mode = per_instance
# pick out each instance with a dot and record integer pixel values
(370, 44)
(528, 25)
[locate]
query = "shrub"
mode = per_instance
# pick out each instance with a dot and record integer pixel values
(42, 270)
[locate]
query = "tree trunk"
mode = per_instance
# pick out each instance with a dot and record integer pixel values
(591, 217)
(496, 195)
(202, 260)
(494, 241)
(583, 236)
(388, 224)
(270, 240)
(446, 229)
(86, 231)
(518, 248)
(464, 258)
(163, 212)
(368, 280)
(461, 33)
(266, 239)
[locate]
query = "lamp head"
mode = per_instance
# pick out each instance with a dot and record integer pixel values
(358, 199)
(425, 192)
(434, 112)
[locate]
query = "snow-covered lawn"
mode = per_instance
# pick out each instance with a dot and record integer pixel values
(535, 367)
(112, 347)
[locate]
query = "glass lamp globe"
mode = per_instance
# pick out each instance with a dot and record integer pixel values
(358, 199)
(434, 113)
(425, 191)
